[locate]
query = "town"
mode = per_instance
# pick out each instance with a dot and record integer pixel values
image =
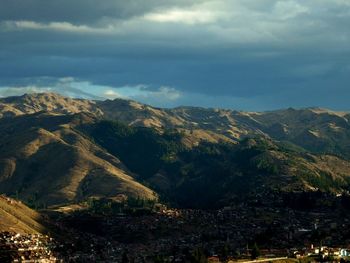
(110, 231)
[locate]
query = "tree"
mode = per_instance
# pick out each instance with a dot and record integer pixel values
(255, 252)
(199, 256)
(158, 259)
(125, 258)
(224, 252)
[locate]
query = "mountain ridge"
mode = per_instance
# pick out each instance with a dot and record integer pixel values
(315, 129)
(51, 96)
(56, 150)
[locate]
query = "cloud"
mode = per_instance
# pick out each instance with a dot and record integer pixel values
(183, 16)
(244, 50)
(52, 26)
(289, 9)
(66, 86)
(81, 11)
(112, 94)
(171, 97)
(10, 91)
(161, 96)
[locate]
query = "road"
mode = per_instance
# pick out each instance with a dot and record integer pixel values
(263, 260)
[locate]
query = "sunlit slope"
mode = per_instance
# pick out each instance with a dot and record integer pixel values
(16, 217)
(50, 102)
(45, 160)
(315, 129)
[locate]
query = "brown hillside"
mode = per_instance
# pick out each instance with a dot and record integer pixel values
(44, 159)
(315, 129)
(16, 217)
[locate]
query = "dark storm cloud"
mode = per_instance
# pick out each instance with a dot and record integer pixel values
(247, 54)
(80, 11)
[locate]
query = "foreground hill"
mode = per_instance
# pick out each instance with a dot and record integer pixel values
(45, 160)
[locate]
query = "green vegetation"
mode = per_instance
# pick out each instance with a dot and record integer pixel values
(143, 150)
(323, 181)
(267, 165)
(207, 175)
(255, 252)
(44, 155)
(106, 206)
(198, 256)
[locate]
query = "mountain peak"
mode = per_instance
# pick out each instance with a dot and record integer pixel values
(51, 102)
(320, 110)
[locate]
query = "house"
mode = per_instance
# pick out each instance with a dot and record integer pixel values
(214, 259)
(344, 252)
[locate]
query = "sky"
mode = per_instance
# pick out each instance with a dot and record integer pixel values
(241, 54)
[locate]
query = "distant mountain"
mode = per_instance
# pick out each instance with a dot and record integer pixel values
(48, 102)
(314, 129)
(56, 150)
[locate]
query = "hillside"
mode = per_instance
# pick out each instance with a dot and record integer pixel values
(44, 160)
(314, 129)
(214, 174)
(56, 150)
(18, 218)
(49, 102)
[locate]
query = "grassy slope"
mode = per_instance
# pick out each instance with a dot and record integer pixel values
(16, 217)
(317, 130)
(44, 159)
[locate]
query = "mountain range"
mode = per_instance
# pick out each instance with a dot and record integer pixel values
(56, 150)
